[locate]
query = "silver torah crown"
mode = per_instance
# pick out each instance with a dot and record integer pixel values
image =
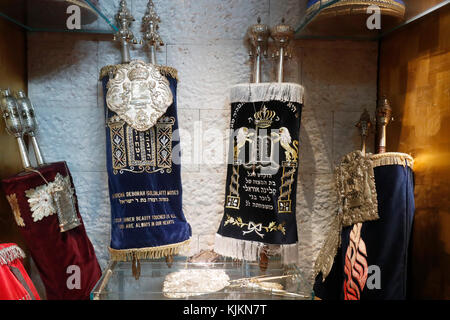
(29, 123)
(150, 23)
(13, 122)
(124, 35)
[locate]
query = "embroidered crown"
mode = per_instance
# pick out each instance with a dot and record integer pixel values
(138, 73)
(264, 118)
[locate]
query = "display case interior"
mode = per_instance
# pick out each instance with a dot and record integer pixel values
(224, 279)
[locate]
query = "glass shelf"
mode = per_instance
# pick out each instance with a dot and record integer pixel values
(97, 16)
(338, 19)
(118, 282)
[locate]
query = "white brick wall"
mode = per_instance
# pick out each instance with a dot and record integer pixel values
(205, 43)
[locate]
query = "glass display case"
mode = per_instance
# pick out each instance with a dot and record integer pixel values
(245, 280)
(345, 19)
(95, 16)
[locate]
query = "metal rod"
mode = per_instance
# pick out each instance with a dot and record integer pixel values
(382, 140)
(257, 66)
(125, 51)
(383, 116)
(280, 65)
(37, 151)
(23, 153)
(152, 54)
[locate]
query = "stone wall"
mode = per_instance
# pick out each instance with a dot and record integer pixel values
(204, 41)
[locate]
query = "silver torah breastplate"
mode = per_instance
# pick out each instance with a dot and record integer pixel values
(139, 94)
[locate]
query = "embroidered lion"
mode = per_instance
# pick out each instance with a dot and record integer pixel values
(284, 137)
(242, 136)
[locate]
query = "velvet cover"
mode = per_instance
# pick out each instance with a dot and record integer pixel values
(144, 178)
(261, 184)
(15, 284)
(53, 251)
(386, 241)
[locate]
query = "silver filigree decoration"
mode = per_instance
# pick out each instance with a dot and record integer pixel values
(187, 283)
(356, 202)
(41, 199)
(139, 94)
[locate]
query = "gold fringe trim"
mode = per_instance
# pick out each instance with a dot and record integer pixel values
(148, 253)
(112, 69)
(392, 158)
(168, 72)
(345, 7)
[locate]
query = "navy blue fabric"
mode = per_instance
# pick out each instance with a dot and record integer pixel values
(173, 227)
(288, 116)
(387, 239)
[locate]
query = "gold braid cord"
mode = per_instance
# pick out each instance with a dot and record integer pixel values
(356, 202)
(234, 191)
(12, 199)
(355, 268)
(287, 183)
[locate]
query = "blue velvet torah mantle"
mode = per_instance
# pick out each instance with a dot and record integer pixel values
(147, 220)
(386, 239)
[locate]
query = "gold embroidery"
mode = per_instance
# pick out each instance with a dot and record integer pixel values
(356, 203)
(287, 179)
(252, 227)
(264, 118)
(164, 142)
(138, 152)
(119, 160)
(233, 199)
(289, 168)
(12, 199)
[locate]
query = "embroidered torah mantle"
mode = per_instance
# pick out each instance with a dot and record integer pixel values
(381, 245)
(143, 169)
(262, 170)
